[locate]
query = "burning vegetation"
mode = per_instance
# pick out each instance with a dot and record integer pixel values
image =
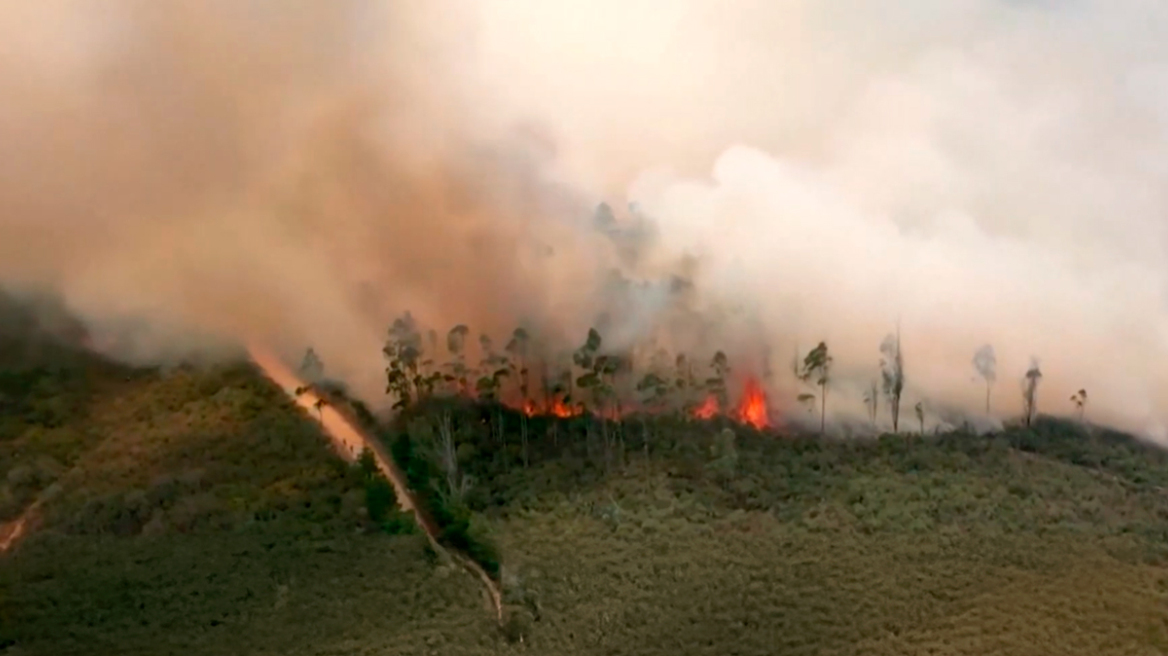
(589, 380)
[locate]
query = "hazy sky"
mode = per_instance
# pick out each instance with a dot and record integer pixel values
(207, 171)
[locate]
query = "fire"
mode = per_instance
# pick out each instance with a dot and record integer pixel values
(752, 409)
(554, 407)
(708, 409)
(561, 409)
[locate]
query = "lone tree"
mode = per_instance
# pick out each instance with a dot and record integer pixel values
(458, 373)
(1030, 392)
(872, 401)
(919, 409)
(403, 352)
(892, 375)
(585, 358)
(518, 348)
(311, 368)
(493, 368)
(817, 371)
(312, 372)
(716, 384)
(986, 364)
(1080, 400)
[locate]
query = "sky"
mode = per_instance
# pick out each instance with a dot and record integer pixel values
(195, 175)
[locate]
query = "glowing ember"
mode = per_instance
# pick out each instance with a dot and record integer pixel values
(552, 408)
(708, 409)
(562, 410)
(752, 409)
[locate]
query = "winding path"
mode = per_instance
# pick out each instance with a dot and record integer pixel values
(12, 531)
(350, 440)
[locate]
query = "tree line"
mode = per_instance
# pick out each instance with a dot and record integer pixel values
(588, 379)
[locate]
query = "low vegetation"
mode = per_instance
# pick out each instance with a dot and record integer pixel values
(725, 539)
(195, 510)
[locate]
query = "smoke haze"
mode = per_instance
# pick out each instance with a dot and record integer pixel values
(193, 174)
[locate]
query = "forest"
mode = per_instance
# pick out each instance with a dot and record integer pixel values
(468, 413)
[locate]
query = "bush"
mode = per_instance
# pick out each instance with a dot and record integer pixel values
(380, 499)
(454, 519)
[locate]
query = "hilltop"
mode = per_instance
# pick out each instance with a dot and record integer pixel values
(198, 510)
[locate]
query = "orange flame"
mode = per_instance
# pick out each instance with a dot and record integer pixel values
(708, 409)
(553, 407)
(752, 409)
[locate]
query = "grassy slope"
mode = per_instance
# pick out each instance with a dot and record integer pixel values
(1030, 543)
(197, 512)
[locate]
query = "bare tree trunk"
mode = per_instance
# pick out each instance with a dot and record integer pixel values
(823, 410)
(523, 436)
(607, 449)
(988, 386)
(645, 435)
(447, 453)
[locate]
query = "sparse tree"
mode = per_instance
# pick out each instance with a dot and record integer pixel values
(458, 373)
(1080, 400)
(817, 371)
(654, 391)
(1030, 392)
(311, 367)
(716, 384)
(919, 409)
(986, 364)
(892, 375)
(608, 368)
(517, 348)
(585, 358)
(493, 368)
(684, 382)
(872, 401)
(808, 401)
(591, 380)
(403, 351)
(457, 484)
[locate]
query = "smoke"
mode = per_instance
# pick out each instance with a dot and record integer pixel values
(194, 174)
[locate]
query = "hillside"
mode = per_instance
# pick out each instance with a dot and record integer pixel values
(198, 511)
(667, 535)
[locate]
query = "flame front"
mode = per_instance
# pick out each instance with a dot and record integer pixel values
(752, 409)
(554, 407)
(708, 409)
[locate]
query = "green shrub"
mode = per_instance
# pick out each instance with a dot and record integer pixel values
(454, 518)
(380, 499)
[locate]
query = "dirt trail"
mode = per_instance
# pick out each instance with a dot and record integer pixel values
(350, 440)
(14, 530)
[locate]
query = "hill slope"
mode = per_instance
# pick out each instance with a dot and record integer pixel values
(198, 511)
(708, 541)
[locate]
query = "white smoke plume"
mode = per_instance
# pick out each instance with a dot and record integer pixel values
(982, 171)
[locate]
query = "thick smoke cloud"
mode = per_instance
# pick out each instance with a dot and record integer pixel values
(194, 173)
